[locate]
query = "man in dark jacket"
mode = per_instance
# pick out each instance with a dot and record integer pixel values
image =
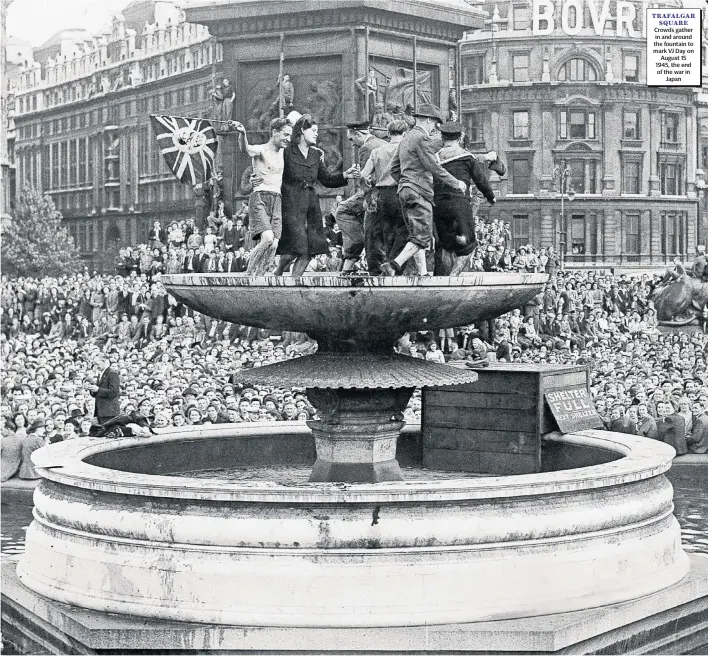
(106, 391)
(414, 167)
(452, 213)
(350, 212)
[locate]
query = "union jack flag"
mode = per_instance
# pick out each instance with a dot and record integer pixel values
(188, 146)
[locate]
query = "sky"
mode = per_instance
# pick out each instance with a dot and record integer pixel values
(37, 20)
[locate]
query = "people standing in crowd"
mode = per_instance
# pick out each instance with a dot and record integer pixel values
(350, 213)
(265, 220)
(106, 390)
(385, 232)
(452, 214)
(414, 167)
(303, 233)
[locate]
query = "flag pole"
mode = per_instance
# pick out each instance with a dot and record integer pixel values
(281, 100)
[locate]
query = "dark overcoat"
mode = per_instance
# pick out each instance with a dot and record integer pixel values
(108, 395)
(303, 232)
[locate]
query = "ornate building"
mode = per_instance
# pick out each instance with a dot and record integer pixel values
(82, 126)
(559, 89)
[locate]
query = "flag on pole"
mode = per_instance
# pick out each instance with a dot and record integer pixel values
(188, 146)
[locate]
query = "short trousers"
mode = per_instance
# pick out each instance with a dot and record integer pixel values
(265, 212)
(418, 216)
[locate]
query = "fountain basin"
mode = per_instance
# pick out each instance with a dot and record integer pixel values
(113, 533)
(367, 311)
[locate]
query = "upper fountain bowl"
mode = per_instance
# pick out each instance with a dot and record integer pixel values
(366, 312)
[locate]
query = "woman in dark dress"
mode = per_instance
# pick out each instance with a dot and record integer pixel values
(303, 233)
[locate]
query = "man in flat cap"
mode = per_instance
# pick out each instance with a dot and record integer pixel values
(385, 232)
(452, 215)
(350, 212)
(415, 167)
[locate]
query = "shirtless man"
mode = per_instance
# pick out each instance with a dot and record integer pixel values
(264, 204)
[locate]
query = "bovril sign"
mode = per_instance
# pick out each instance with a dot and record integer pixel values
(571, 17)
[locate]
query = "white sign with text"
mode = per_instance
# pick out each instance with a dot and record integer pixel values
(673, 47)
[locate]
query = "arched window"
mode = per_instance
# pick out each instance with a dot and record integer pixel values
(577, 70)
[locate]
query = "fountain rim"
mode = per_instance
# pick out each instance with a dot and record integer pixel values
(333, 280)
(64, 463)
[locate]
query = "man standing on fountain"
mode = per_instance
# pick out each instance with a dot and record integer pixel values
(265, 215)
(414, 167)
(453, 215)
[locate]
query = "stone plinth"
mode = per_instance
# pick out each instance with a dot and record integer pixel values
(393, 554)
(328, 48)
(671, 621)
(357, 434)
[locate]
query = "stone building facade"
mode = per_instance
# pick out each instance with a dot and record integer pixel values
(554, 90)
(82, 126)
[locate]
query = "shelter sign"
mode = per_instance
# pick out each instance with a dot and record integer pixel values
(573, 409)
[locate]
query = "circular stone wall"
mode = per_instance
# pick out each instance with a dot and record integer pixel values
(333, 554)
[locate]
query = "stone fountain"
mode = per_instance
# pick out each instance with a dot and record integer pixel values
(358, 385)
(130, 527)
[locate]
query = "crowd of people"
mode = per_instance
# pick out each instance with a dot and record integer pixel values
(177, 367)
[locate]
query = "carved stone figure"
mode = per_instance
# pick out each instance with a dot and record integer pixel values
(229, 94)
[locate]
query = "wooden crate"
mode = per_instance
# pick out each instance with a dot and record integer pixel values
(494, 426)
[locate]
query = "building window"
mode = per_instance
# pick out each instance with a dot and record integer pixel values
(54, 159)
(673, 234)
(89, 160)
(521, 17)
(583, 175)
(475, 127)
(704, 158)
(82, 160)
(577, 70)
(521, 125)
(632, 178)
(577, 234)
(669, 128)
(671, 174)
(577, 124)
(520, 66)
(631, 236)
(630, 67)
(64, 163)
(74, 162)
(473, 70)
(143, 151)
(520, 230)
(630, 123)
(520, 176)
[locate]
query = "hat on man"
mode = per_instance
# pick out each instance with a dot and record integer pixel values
(428, 110)
(452, 129)
(293, 117)
(358, 125)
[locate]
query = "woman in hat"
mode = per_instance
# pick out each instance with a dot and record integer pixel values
(303, 233)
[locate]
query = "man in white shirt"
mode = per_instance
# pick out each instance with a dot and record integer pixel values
(265, 218)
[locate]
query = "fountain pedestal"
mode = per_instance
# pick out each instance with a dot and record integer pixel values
(360, 398)
(357, 434)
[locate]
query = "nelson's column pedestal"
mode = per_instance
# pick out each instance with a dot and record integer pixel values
(345, 59)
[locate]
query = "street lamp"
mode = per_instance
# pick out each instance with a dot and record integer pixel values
(562, 182)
